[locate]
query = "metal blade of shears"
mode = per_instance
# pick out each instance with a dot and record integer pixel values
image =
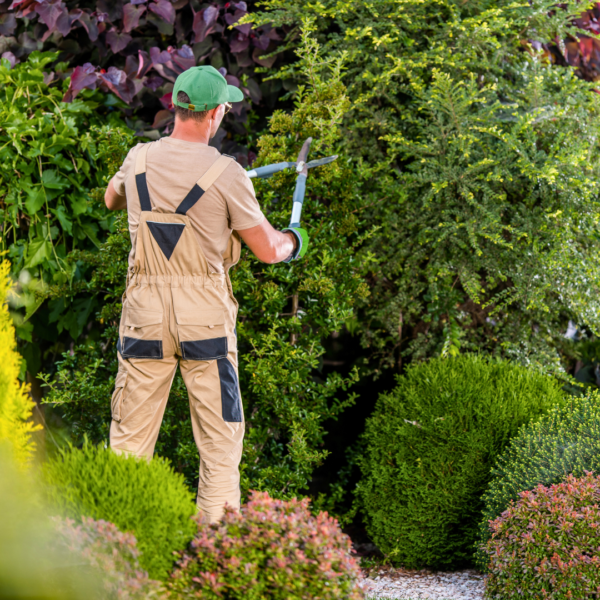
(320, 162)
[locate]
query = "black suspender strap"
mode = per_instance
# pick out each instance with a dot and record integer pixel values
(140, 178)
(193, 196)
(142, 188)
(201, 186)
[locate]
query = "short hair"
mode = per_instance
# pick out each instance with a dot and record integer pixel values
(185, 113)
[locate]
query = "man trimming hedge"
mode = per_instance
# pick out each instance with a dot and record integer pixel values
(188, 206)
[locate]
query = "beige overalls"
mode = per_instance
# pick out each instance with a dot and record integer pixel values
(175, 311)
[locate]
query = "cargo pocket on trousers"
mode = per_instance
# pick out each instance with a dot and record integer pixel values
(231, 403)
(142, 335)
(116, 401)
(202, 334)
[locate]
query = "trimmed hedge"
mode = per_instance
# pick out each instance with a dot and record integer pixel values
(430, 445)
(147, 499)
(565, 441)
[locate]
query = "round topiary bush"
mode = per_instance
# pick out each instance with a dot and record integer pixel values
(565, 441)
(547, 544)
(145, 498)
(430, 445)
(270, 549)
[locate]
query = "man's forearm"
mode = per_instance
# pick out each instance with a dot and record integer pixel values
(268, 244)
(113, 200)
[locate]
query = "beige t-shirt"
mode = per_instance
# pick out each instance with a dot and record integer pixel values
(172, 168)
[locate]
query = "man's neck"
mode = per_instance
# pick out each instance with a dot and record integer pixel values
(192, 131)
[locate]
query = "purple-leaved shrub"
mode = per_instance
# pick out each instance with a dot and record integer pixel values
(547, 543)
(113, 554)
(271, 549)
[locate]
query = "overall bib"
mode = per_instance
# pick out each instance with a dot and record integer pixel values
(176, 312)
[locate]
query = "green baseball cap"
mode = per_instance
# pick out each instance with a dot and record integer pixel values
(206, 89)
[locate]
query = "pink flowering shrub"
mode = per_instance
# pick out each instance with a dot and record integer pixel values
(113, 554)
(271, 549)
(547, 544)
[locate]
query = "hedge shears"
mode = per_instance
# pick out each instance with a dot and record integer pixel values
(302, 168)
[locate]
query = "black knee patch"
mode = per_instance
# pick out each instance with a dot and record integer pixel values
(231, 405)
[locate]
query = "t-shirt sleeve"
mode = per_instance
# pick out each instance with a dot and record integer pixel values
(243, 207)
(121, 175)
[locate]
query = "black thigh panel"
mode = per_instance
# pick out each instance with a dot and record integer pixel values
(136, 348)
(204, 349)
(231, 405)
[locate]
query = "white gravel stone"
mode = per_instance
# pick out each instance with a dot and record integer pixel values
(413, 585)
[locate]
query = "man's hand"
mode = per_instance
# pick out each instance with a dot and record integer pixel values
(112, 199)
(302, 242)
(268, 244)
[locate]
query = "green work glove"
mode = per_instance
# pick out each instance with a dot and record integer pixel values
(301, 246)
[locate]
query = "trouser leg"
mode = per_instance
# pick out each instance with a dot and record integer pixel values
(138, 405)
(218, 425)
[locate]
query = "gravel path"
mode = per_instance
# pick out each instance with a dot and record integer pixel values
(402, 583)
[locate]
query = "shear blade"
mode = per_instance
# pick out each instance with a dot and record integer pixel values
(321, 161)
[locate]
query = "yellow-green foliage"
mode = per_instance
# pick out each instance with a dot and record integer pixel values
(15, 405)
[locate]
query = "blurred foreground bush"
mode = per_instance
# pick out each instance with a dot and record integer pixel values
(565, 441)
(52, 559)
(147, 499)
(30, 567)
(112, 554)
(546, 545)
(431, 443)
(272, 549)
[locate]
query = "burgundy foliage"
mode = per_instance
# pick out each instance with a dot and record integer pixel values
(584, 51)
(112, 553)
(547, 544)
(136, 49)
(270, 549)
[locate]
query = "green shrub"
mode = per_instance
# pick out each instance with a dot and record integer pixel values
(431, 443)
(546, 544)
(147, 499)
(565, 441)
(271, 549)
(484, 171)
(55, 159)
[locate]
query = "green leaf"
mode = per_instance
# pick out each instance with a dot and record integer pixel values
(24, 330)
(78, 204)
(51, 179)
(91, 230)
(38, 252)
(31, 307)
(63, 216)
(35, 200)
